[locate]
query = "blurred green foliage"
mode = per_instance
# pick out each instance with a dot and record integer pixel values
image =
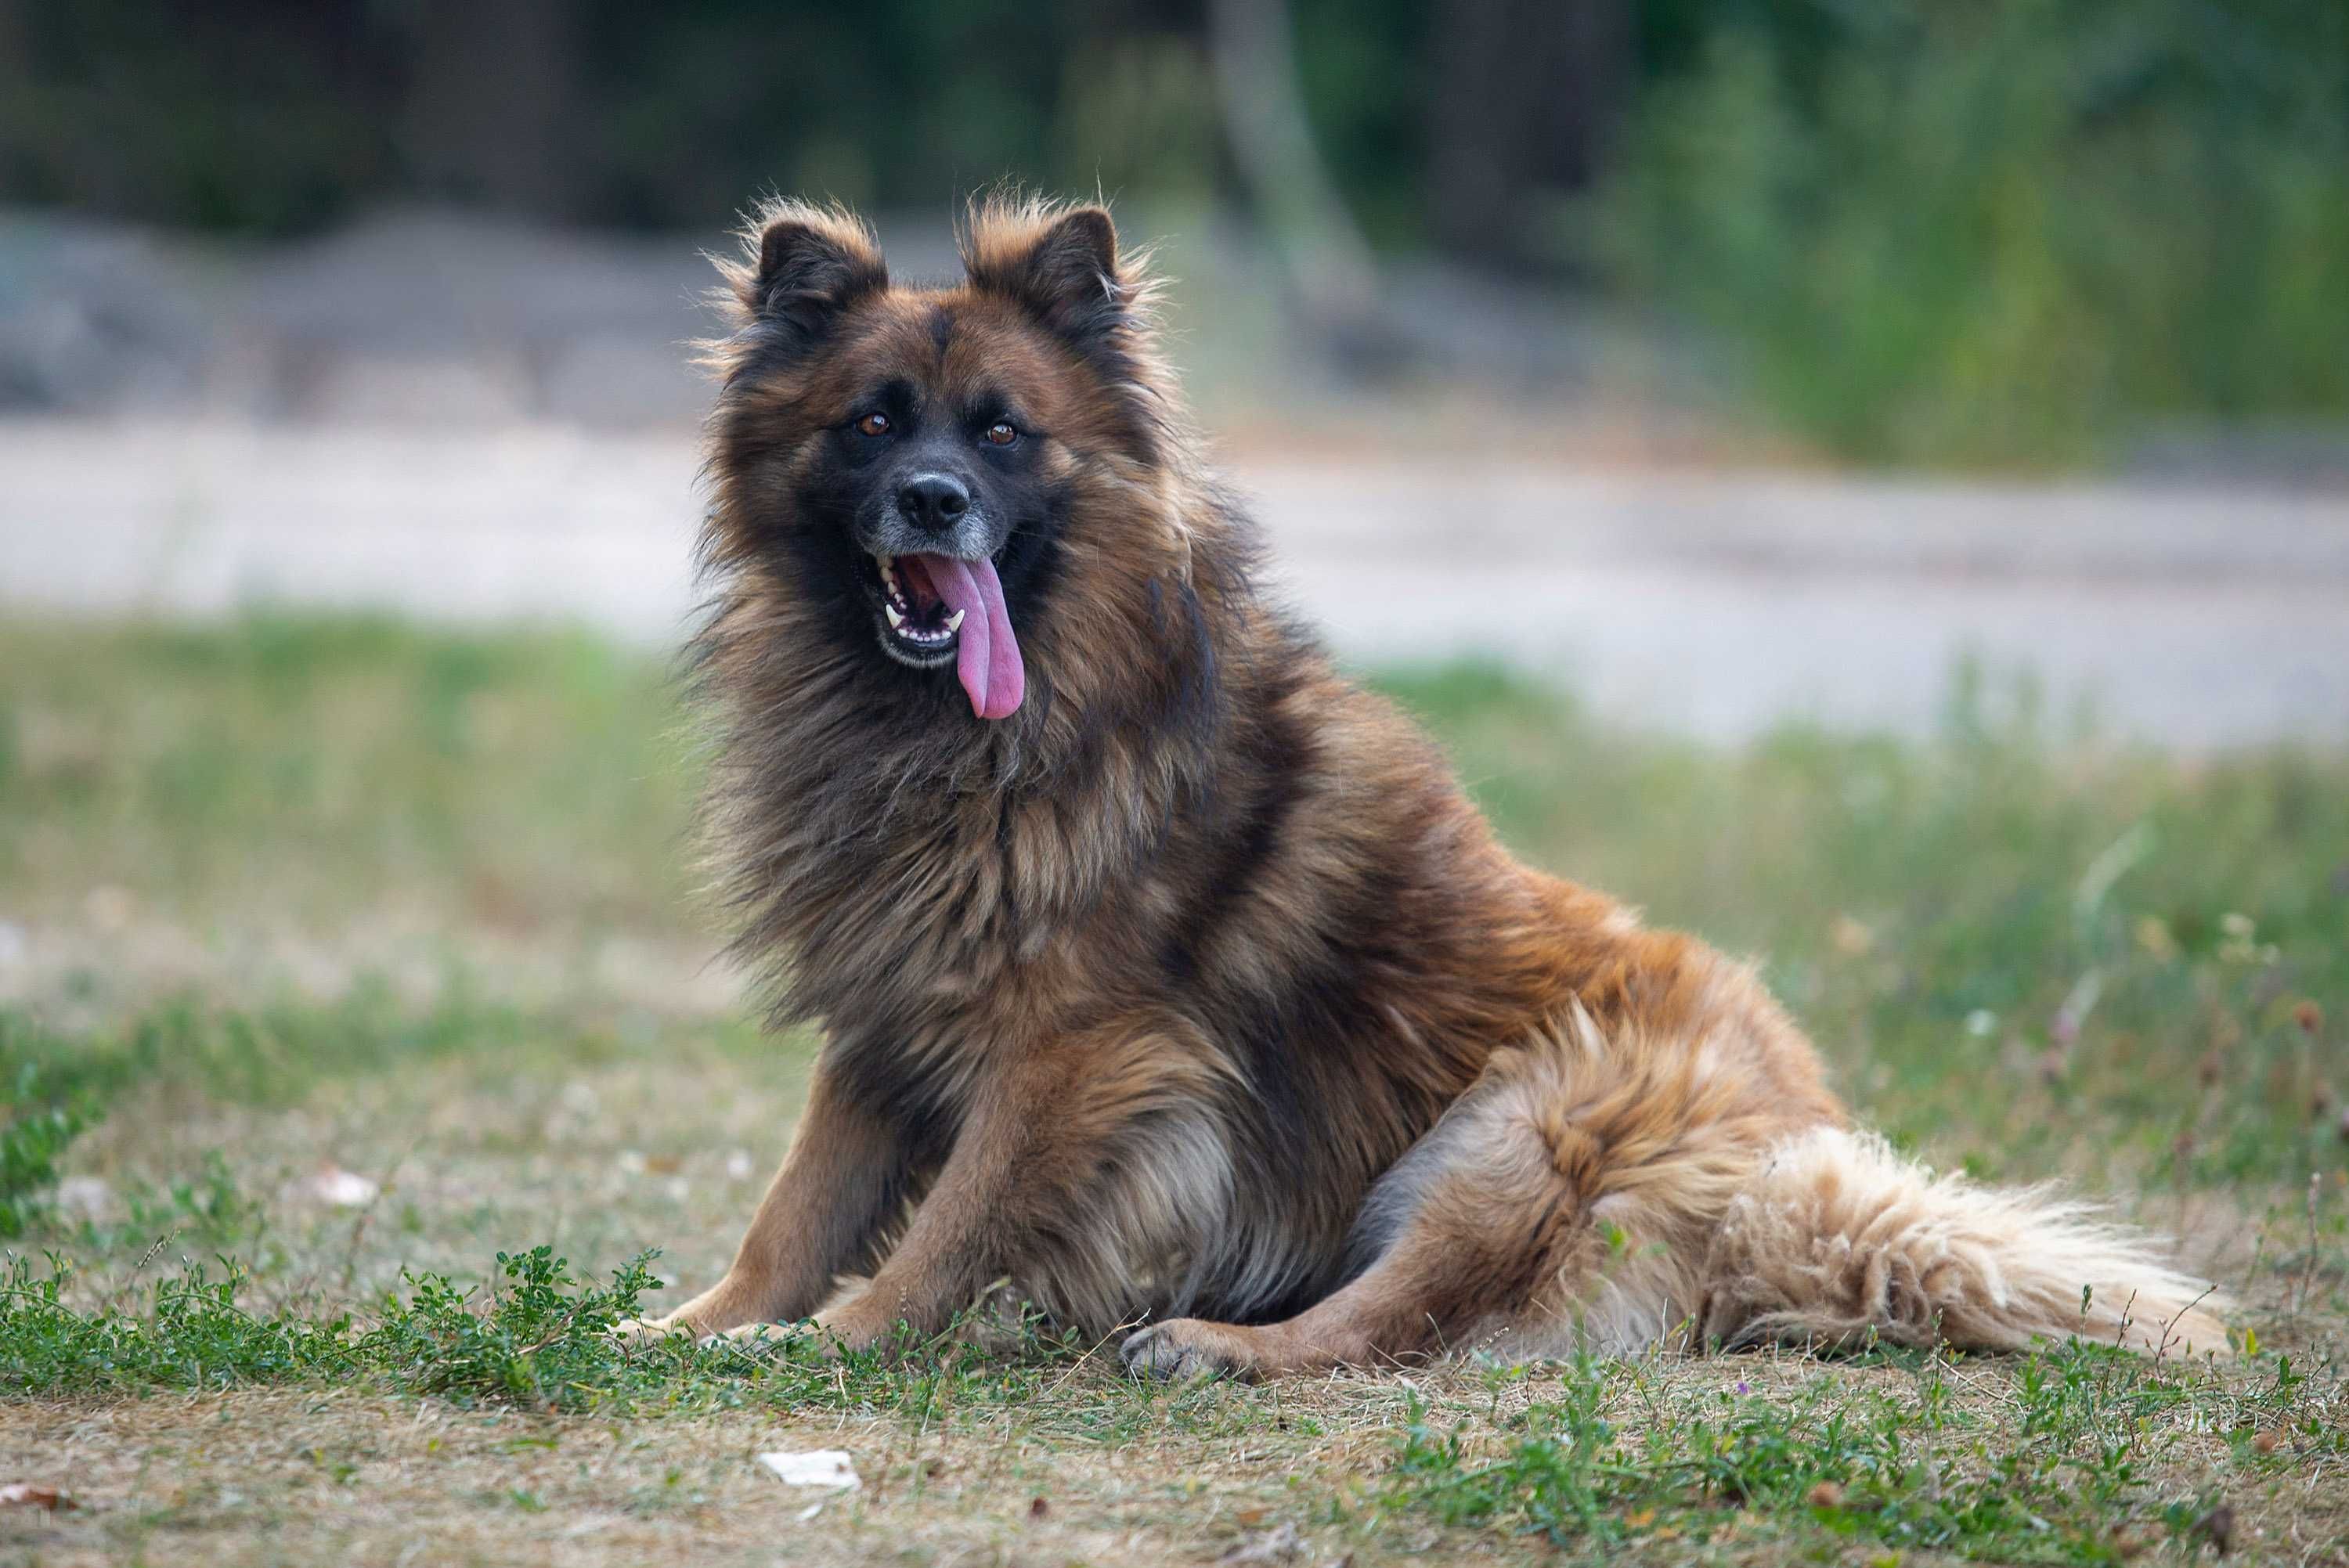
(278, 116)
(2149, 955)
(2019, 230)
(166, 759)
(2117, 938)
(1949, 232)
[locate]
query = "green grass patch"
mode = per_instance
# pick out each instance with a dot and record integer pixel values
(2091, 1461)
(531, 1335)
(534, 1336)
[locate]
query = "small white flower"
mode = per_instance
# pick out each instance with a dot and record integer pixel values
(344, 1189)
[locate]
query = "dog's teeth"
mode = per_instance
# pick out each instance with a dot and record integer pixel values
(896, 620)
(954, 622)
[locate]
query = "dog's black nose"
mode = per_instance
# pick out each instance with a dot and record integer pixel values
(934, 501)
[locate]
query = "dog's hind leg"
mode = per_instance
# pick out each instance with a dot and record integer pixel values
(1604, 1193)
(1567, 1197)
(1461, 1232)
(1471, 1219)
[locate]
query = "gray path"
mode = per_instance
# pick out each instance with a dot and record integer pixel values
(1712, 604)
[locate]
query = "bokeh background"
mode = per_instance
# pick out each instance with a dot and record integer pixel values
(1724, 360)
(2017, 233)
(1691, 374)
(1865, 480)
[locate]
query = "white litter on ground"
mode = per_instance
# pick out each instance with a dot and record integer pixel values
(816, 1467)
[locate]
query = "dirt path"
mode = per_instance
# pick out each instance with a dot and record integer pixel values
(1713, 603)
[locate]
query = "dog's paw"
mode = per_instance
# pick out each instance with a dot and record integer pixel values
(648, 1330)
(758, 1340)
(751, 1338)
(855, 1328)
(1182, 1348)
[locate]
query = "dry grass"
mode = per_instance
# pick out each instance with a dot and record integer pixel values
(284, 899)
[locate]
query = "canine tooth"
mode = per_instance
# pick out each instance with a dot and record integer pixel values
(954, 622)
(896, 620)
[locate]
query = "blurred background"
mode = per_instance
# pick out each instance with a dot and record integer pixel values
(1786, 350)
(1868, 480)
(2015, 234)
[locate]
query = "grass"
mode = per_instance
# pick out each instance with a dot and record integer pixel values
(363, 1062)
(2027, 233)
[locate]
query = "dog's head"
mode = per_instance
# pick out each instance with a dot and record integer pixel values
(916, 471)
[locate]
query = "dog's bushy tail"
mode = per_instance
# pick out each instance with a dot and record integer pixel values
(1840, 1237)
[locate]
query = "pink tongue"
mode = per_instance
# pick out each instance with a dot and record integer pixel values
(987, 656)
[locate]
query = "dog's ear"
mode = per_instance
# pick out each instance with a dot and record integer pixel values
(812, 265)
(1062, 263)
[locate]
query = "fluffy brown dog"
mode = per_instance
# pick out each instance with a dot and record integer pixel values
(1170, 976)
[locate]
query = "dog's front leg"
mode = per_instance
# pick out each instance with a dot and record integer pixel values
(1029, 1190)
(843, 1178)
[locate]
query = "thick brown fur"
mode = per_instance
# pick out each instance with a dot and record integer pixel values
(1195, 994)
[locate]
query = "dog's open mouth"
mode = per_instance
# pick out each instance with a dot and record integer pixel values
(919, 622)
(941, 609)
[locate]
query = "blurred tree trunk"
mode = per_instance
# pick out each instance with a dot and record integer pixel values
(1329, 265)
(1527, 94)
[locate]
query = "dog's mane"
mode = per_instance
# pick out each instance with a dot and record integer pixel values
(843, 797)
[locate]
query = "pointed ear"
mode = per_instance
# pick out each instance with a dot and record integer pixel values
(812, 265)
(1063, 267)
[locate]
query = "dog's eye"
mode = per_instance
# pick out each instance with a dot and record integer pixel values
(873, 425)
(1001, 434)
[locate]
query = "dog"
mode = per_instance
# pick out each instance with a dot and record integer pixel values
(1170, 976)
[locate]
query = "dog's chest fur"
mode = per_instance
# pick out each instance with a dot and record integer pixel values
(1288, 884)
